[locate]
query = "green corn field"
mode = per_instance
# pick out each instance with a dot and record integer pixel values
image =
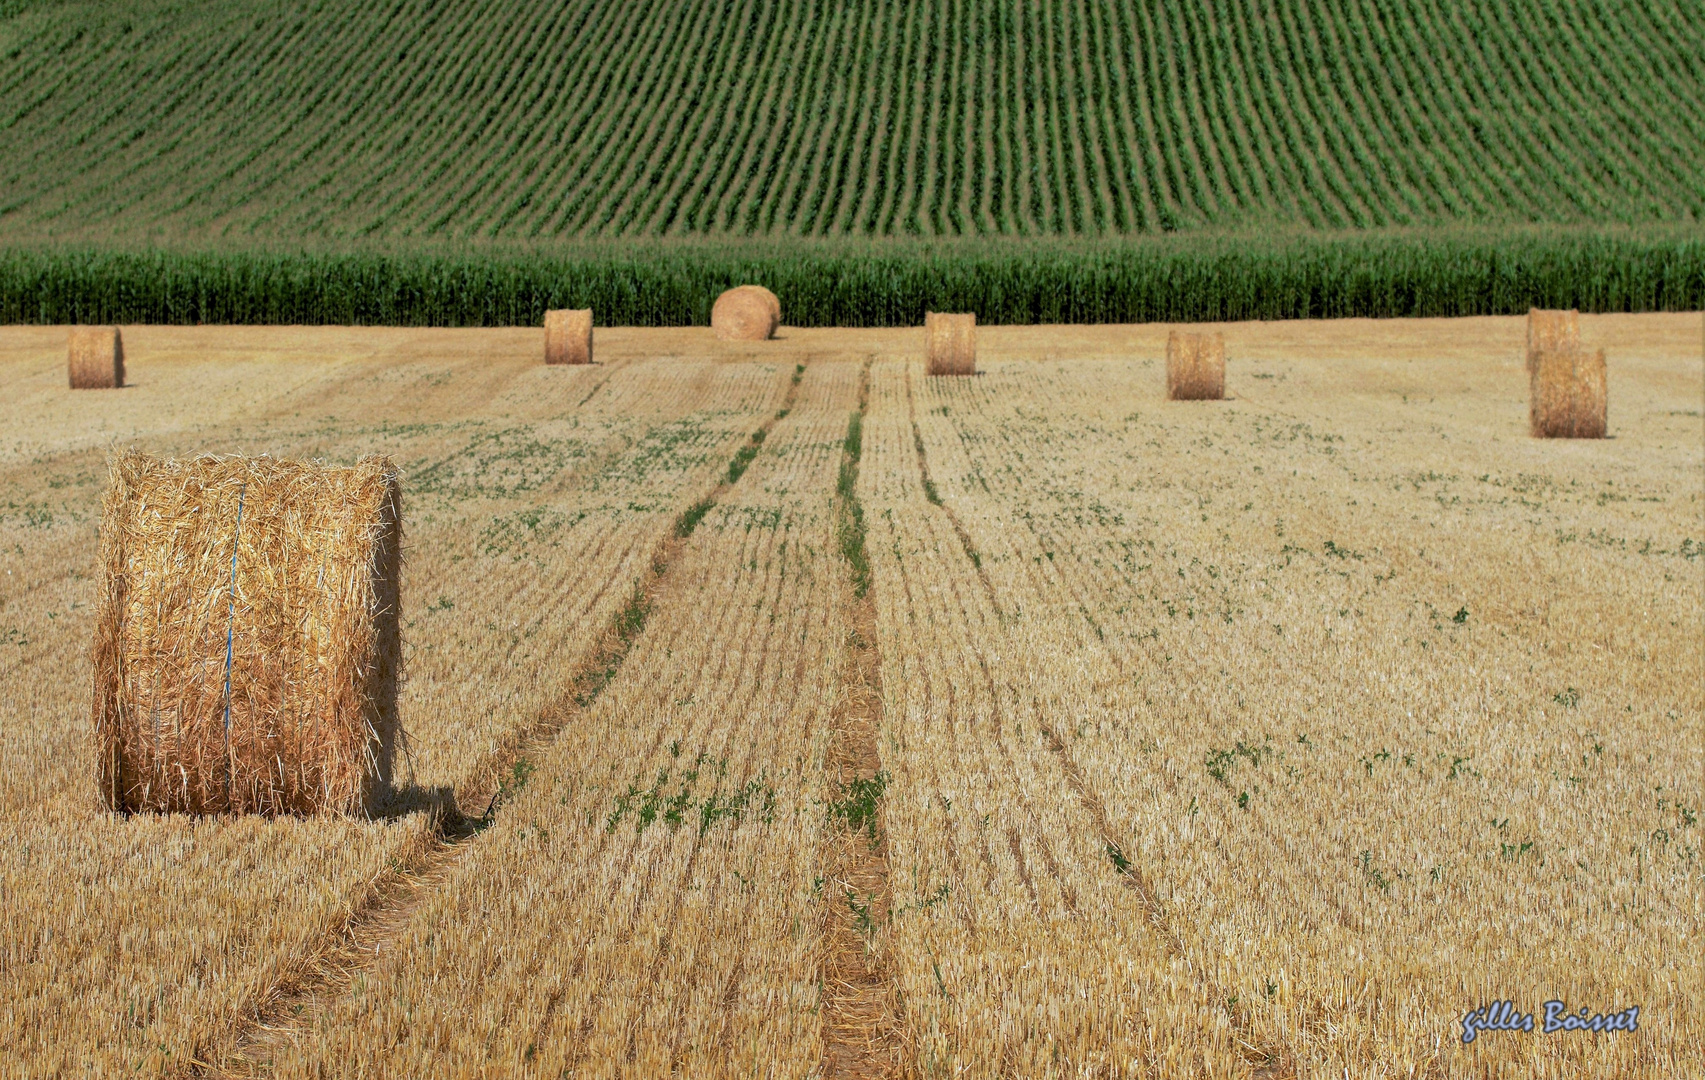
(851, 283)
(1095, 160)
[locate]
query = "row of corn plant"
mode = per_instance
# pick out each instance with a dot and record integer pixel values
(857, 283)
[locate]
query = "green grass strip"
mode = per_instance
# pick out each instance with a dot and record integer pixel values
(850, 530)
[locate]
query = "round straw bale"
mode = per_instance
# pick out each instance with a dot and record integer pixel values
(96, 359)
(568, 336)
(1195, 366)
(950, 343)
(745, 313)
(1568, 393)
(247, 648)
(771, 298)
(1549, 330)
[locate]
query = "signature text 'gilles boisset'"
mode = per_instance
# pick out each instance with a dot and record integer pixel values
(1504, 1016)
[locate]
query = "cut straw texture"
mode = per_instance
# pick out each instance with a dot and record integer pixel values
(746, 313)
(1550, 330)
(1568, 398)
(568, 336)
(96, 359)
(1195, 366)
(950, 343)
(247, 649)
(769, 298)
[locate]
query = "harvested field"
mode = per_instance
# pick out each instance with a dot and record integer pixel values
(836, 720)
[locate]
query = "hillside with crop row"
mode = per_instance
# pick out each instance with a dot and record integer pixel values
(527, 120)
(401, 146)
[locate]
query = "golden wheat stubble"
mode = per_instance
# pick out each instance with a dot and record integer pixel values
(611, 478)
(1394, 681)
(659, 862)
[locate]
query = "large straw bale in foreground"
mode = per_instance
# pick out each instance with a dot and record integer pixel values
(568, 336)
(96, 359)
(1195, 366)
(1550, 330)
(1568, 396)
(950, 343)
(746, 313)
(289, 570)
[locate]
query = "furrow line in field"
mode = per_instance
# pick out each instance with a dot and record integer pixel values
(1068, 893)
(934, 496)
(380, 912)
(1271, 1061)
(974, 556)
(674, 909)
(993, 684)
(1268, 1061)
(862, 1028)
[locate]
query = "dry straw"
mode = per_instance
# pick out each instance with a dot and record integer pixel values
(1195, 366)
(950, 343)
(1568, 396)
(771, 299)
(247, 649)
(96, 360)
(568, 336)
(1550, 330)
(746, 313)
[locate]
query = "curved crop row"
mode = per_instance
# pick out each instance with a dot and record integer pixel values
(520, 120)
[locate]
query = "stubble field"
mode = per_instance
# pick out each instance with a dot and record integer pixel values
(778, 710)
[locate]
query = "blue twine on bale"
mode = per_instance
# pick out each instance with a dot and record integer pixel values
(230, 627)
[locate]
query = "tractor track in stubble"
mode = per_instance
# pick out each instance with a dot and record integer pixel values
(864, 1035)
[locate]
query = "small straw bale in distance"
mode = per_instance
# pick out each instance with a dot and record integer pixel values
(770, 298)
(568, 336)
(1195, 366)
(745, 313)
(950, 343)
(96, 358)
(301, 595)
(1550, 330)
(1568, 398)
